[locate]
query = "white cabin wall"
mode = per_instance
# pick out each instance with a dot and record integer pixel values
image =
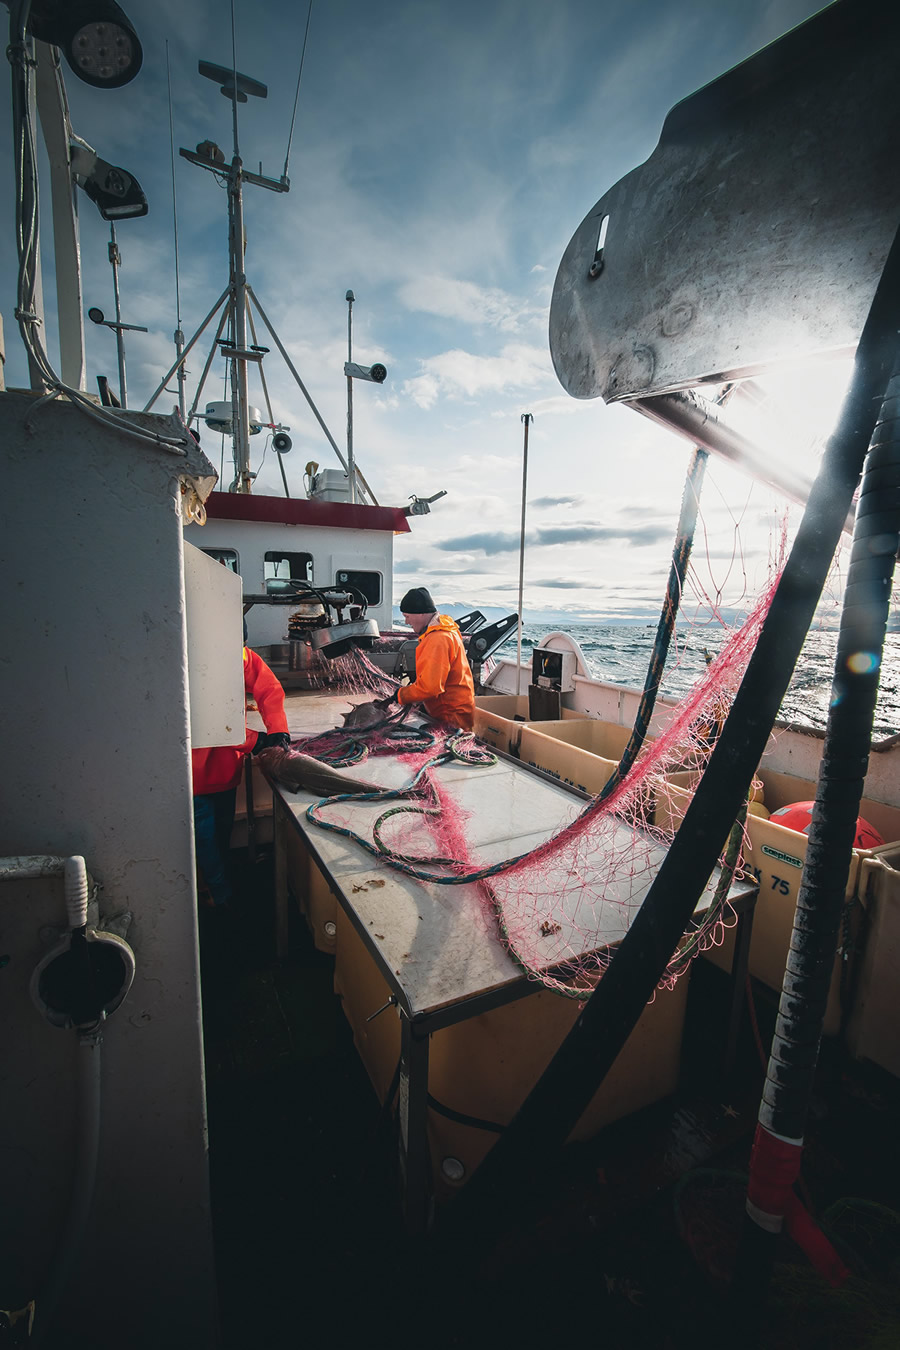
(330, 546)
(94, 687)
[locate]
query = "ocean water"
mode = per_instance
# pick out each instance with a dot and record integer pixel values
(621, 653)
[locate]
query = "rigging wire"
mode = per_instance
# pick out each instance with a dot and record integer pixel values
(287, 154)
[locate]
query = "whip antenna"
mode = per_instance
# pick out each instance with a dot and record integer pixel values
(287, 154)
(179, 335)
(236, 95)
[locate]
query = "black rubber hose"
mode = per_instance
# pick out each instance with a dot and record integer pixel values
(561, 1095)
(681, 554)
(845, 759)
(793, 1057)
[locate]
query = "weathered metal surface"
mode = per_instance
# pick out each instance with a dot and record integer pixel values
(757, 229)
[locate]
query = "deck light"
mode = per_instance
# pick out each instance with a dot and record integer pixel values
(116, 193)
(377, 373)
(96, 37)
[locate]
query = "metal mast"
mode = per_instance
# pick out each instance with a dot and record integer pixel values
(351, 469)
(236, 87)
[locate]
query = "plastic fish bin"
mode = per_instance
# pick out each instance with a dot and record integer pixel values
(873, 1031)
(499, 720)
(570, 760)
(485, 1066)
(775, 856)
(496, 720)
(604, 739)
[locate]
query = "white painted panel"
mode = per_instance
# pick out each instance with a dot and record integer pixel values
(214, 610)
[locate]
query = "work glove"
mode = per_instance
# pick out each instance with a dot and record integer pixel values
(385, 703)
(272, 740)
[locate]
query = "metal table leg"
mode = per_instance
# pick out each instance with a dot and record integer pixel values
(251, 814)
(739, 964)
(280, 827)
(412, 1113)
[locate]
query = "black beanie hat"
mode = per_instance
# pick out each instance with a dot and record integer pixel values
(417, 601)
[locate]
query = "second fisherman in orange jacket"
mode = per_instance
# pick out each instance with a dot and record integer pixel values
(443, 683)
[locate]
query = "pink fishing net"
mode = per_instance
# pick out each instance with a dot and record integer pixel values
(562, 907)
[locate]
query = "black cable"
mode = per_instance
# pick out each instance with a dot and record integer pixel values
(461, 1118)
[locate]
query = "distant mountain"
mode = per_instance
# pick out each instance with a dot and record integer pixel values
(826, 618)
(537, 616)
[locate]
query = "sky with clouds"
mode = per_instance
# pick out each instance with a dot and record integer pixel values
(443, 155)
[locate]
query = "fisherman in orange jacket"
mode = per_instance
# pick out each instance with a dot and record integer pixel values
(443, 682)
(217, 773)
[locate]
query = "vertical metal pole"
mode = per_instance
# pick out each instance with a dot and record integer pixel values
(287, 491)
(238, 293)
(178, 335)
(52, 105)
(115, 259)
(35, 373)
(351, 467)
(527, 418)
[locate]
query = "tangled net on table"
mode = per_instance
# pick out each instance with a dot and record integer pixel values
(561, 906)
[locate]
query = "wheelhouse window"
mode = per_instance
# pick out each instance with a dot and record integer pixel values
(282, 570)
(226, 556)
(367, 584)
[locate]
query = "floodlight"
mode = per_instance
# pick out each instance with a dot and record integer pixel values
(116, 193)
(376, 373)
(96, 37)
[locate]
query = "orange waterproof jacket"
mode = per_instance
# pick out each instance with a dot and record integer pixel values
(443, 678)
(218, 768)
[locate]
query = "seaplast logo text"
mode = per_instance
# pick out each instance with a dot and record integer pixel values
(777, 854)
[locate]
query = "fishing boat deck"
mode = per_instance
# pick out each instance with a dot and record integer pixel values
(311, 1236)
(310, 1239)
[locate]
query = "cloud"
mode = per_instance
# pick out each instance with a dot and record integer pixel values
(448, 298)
(542, 502)
(408, 565)
(458, 572)
(488, 542)
(462, 374)
(491, 542)
(560, 585)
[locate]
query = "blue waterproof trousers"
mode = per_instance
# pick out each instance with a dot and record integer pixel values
(213, 819)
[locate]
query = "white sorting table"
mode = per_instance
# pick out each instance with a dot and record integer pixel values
(436, 946)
